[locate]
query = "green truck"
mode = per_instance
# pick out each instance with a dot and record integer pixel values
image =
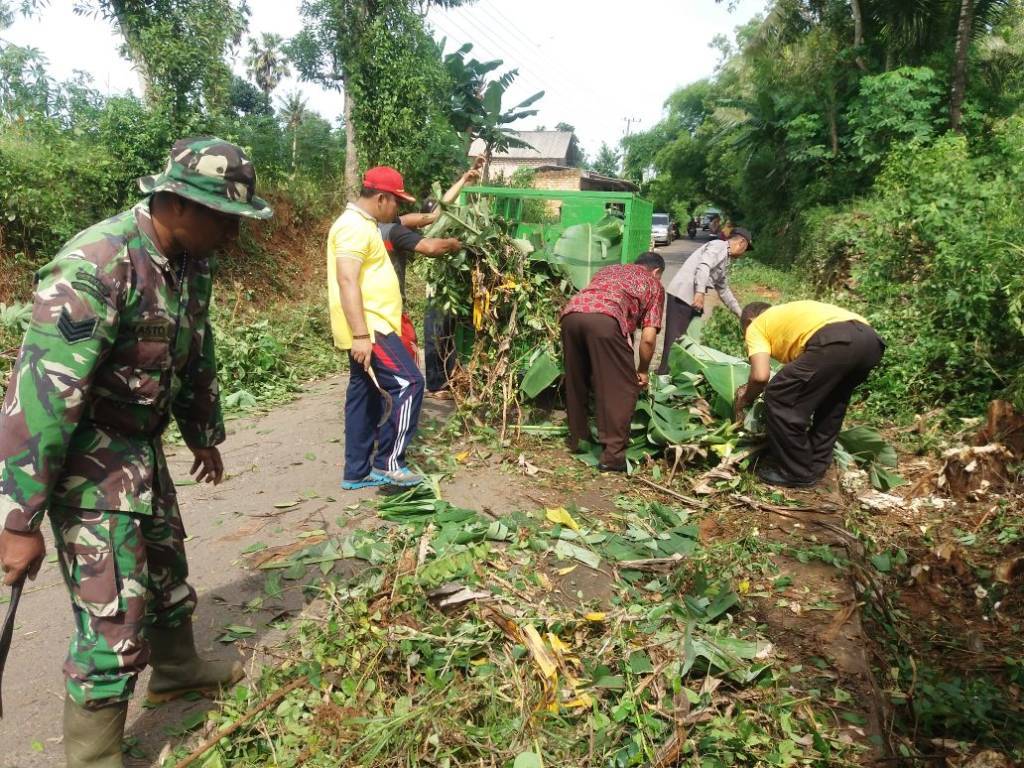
(581, 231)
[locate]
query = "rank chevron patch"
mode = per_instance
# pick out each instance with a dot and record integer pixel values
(74, 331)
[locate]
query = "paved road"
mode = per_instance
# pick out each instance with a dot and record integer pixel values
(675, 254)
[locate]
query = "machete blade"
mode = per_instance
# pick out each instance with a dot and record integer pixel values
(8, 633)
(389, 403)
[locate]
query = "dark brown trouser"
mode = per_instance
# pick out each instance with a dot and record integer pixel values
(597, 356)
(806, 401)
(678, 315)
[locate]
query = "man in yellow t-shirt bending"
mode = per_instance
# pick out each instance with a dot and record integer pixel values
(828, 352)
(366, 320)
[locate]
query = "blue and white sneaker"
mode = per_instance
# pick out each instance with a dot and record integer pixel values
(372, 480)
(402, 477)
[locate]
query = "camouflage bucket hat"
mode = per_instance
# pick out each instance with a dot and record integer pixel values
(211, 172)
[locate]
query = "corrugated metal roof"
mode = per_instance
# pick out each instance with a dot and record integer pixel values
(544, 145)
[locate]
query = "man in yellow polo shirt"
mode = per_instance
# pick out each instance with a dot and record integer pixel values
(366, 320)
(828, 352)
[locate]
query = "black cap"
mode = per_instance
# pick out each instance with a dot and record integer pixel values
(745, 234)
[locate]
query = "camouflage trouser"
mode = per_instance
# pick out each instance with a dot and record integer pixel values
(125, 572)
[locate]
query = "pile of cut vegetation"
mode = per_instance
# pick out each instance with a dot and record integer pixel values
(457, 645)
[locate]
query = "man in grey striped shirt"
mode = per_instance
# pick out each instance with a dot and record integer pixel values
(705, 268)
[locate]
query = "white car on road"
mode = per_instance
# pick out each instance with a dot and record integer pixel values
(661, 229)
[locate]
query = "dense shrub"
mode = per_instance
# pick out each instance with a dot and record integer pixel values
(929, 256)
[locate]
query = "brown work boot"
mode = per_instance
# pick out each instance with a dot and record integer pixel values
(178, 670)
(92, 737)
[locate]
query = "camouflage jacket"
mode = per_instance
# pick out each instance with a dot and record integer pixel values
(119, 343)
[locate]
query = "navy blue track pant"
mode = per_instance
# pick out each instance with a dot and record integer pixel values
(397, 374)
(438, 347)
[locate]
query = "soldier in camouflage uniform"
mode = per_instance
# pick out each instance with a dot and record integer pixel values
(119, 344)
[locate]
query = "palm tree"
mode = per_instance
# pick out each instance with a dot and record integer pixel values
(293, 113)
(266, 62)
(976, 18)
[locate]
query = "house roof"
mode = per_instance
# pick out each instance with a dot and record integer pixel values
(546, 145)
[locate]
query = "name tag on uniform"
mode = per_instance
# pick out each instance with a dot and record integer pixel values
(152, 330)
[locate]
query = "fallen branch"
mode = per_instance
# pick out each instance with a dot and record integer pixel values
(671, 751)
(668, 491)
(652, 564)
(227, 730)
(788, 513)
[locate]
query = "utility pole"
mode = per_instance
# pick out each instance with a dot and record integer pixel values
(629, 123)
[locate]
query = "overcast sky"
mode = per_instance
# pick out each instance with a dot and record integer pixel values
(600, 62)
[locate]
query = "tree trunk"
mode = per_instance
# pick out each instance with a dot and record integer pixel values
(133, 46)
(351, 154)
(963, 42)
(858, 33)
(833, 127)
(295, 150)
(486, 176)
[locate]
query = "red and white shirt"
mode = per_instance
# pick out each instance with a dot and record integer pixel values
(627, 292)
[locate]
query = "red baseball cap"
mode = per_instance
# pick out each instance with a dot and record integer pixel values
(386, 179)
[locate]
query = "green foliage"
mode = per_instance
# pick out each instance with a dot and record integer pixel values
(262, 362)
(592, 682)
(393, 74)
(15, 317)
(933, 257)
(246, 99)
(179, 48)
(607, 160)
(505, 300)
(399, 94)
(895, 108)
(476, 106)
(69, 156)
(266, 62)
(25, 88)
(543, 371)
(974, 708)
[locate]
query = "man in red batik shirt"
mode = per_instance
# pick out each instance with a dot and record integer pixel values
(598, 325)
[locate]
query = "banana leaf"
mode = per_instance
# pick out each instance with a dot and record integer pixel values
(867, 444)
(583, 249)
(867, 448)
(723, 373)
(544, 371)
(682, 387)
(672, 426)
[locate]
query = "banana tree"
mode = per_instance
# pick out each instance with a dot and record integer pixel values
(476, 108)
